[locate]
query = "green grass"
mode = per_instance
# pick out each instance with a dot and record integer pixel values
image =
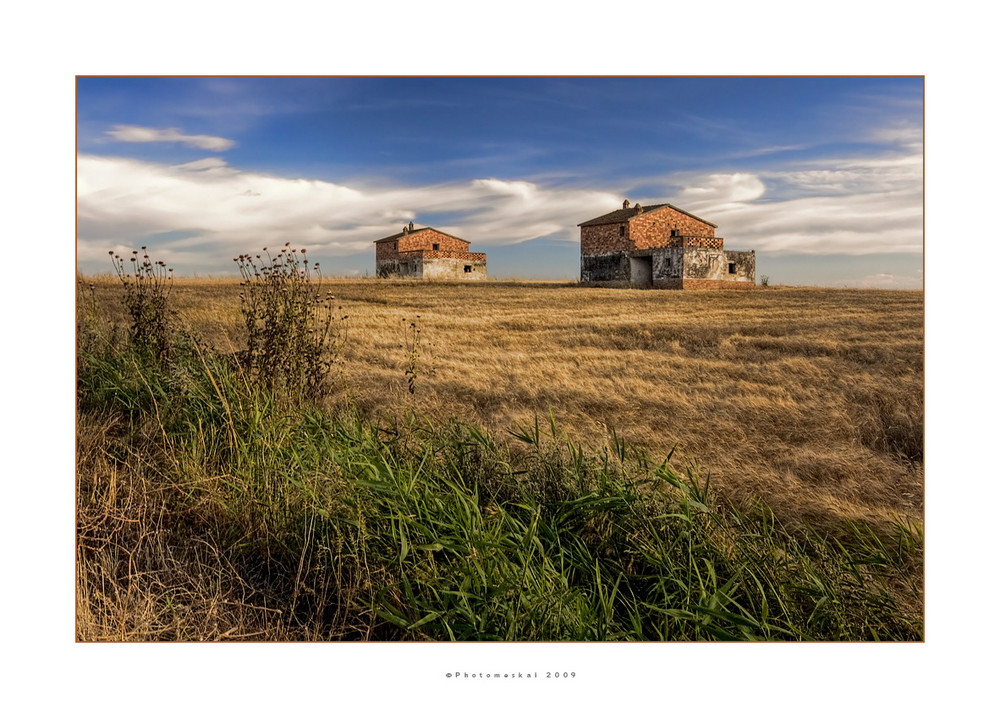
(210, 508)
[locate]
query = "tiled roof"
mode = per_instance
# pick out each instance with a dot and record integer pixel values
(624, 215)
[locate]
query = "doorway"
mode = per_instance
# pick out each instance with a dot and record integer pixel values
(641, 270)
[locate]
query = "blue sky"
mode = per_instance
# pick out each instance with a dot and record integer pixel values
(823, 177)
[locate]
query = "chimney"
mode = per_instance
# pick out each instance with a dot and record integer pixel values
(638, 208)
(406, 230)
(625, 204)
(411, 226)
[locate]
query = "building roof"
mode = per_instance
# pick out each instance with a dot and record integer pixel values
(408, 232)
(625, 215)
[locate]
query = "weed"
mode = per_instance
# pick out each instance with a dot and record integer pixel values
(294, 331)
(411, 340)
(147, 286)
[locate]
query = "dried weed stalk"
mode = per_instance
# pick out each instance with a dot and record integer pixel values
(294, 330)
(147, 287)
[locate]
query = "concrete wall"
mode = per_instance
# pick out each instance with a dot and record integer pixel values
(671, 268)
(418, 265)
(745, 266)
(454, 270)
(604, 267)
(709, 269)
(668, 267)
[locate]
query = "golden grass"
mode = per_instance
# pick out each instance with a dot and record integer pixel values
(810, 400)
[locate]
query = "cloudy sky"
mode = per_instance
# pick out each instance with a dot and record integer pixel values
(823, 177)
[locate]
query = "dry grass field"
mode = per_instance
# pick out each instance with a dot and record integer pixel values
(807, 400)
(810, 400)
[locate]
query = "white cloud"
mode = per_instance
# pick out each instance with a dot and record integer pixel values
(222, 211)
(135, 133)
(721, 190)
(843, 206)
(210, 211)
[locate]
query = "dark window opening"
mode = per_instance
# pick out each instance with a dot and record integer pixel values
(437, 247)
(621, 231)
(468, 267)
(668, 261)
(675, 233)
(732, 267)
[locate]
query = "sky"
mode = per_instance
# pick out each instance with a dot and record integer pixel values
(822, 176)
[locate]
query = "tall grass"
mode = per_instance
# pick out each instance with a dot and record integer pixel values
(211, 509)
(809, 398)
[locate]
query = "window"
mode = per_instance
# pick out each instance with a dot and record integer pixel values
(395, 246)
(436, 247)
(468, 267)
(669, 261)
(621, 230)
(732, 267)
(675, 233)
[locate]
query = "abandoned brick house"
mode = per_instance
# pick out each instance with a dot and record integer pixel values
(660, 246)
(427, 253)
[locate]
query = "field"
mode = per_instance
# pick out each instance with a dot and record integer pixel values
(806, 402)
(811, 400)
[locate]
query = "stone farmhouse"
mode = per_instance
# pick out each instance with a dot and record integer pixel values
(660, 246)
(427, 253)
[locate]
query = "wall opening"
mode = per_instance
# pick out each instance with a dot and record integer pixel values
(732, 267)
(436, 247)
(468, 267)
(641, 269)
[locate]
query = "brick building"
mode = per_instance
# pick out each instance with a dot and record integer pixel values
(427, 254)
(660, 246)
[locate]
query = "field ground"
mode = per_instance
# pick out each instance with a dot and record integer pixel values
(810, 400)
(807, 400)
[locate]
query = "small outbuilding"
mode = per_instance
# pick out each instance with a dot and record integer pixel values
(427, 253)
(660, 246)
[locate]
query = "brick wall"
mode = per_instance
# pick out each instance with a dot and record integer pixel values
(604, 238)
(417, 240)
(702, 242)
(652, 229)
(648, 231)
(443, 254)
(427, 238)
(385, 251)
